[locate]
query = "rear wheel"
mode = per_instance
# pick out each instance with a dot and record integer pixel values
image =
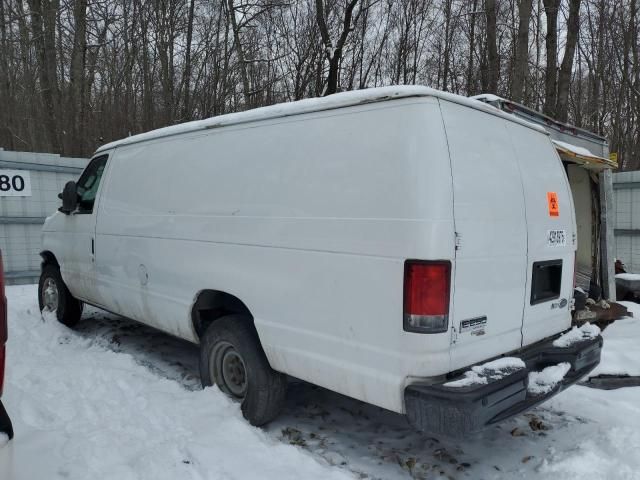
(232, 358)
(54, 296)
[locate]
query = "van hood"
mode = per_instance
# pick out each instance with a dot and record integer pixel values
(52, 222)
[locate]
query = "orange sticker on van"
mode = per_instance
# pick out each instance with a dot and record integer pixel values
(552, 201)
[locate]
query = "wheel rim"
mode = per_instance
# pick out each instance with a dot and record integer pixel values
(50, 295)
(230, 372)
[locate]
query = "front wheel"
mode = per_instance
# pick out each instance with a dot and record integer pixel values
(232, 358)
(5, 422)
(54, 296)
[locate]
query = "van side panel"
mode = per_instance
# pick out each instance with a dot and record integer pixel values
(490, 220)
(308, 220)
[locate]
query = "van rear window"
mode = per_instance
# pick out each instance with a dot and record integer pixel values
(546, 281)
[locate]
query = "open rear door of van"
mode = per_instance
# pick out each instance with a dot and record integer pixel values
(490, 272)
(551, 235)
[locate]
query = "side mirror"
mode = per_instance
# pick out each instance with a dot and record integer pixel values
(69, 198)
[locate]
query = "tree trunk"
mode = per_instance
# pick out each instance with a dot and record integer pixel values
(493, 61)
(334, 53)
(43, 28)
(147, 78)
(564, 77)
(186, 79)
(447, 45)
(551, 42)
(470, 90)
(76, 98)
(242, 64)
(521, 61)
(6, 137)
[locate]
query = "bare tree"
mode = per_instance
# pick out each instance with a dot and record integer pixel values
(333, 51)
(521, 60)
(573, 27)
(551, 8)
(43, 21)
(77, 73)
(493, 60)
(186, 77)
(77, 92)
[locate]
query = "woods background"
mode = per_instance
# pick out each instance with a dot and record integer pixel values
(77, 73)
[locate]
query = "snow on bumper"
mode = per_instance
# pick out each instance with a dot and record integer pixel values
(495, 391)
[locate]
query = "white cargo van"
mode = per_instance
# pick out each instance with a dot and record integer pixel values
(378, 243)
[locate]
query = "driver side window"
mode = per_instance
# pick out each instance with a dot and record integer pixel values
(88, 183)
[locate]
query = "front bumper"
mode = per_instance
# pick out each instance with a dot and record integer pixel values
(459, 410)
(5, 422)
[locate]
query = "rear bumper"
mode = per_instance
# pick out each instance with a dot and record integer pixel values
(459, 410)
(5, 422)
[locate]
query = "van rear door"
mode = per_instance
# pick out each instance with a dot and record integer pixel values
(490, 272)
(551, 235)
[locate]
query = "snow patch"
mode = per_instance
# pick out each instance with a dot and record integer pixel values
(575, 335)
(543, 382)
(494, 370)
(73, 422)
(470, 378)
(48, 316)
(628, 276)
(574, 148)
(487, 97)
(633, 307)
(620, 353)
(81, 411)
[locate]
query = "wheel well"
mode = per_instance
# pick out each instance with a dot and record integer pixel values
(210, 305)
(49, 258)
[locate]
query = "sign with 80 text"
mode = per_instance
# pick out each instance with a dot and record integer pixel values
(15, 183)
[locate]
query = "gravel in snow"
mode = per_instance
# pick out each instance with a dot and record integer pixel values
(114, 399)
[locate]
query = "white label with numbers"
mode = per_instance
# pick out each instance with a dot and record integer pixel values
(556, 238)
(15, 183)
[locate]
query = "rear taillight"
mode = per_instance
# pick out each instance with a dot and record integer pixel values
(426, 296)
(3, 325)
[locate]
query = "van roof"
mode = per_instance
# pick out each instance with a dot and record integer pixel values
(339, 100)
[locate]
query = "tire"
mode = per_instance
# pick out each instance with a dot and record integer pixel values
(232, 358)
(5, 422)
(68, 309)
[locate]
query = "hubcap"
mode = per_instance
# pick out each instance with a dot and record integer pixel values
(229, 370)
(50, 295)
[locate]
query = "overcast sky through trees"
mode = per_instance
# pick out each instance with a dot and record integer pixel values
(78, 73)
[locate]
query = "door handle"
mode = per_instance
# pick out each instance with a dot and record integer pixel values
(93, 250)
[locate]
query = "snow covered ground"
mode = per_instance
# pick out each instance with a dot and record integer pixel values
(622, 339)
(117, 400)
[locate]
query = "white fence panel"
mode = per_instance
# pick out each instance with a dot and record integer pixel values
(24, 207)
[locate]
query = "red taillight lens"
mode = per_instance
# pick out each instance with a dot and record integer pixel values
(426, 296)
